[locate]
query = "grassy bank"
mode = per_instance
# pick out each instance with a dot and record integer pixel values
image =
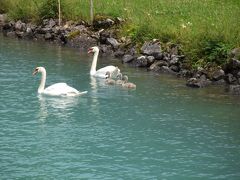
(206, 29)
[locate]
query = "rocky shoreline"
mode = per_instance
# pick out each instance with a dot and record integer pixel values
(152, 55)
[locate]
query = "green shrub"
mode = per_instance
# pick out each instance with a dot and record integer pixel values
(214, 51)
(48, 9)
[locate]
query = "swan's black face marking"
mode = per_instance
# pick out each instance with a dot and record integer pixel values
(35, 71)
(108, 74)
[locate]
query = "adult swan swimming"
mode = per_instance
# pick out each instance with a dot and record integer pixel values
(101, 73)
(58, 89)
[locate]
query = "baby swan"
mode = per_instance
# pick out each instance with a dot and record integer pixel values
(109, 80)
(127, 84)
(119, 80)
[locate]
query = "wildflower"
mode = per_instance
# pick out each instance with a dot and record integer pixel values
(183, 26)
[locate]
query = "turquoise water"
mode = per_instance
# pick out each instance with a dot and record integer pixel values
(161, 130)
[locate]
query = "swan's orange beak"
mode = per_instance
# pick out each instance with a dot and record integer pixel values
(35, 72)
(90, 50)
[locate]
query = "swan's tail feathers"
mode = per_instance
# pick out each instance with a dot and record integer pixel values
(71, 94)
(83, 92)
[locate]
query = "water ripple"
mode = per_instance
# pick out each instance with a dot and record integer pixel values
(162, 130)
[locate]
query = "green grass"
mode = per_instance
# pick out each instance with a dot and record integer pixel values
(198, 25)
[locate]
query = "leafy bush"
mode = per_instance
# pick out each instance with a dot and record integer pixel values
(48, 9)
(214, 51)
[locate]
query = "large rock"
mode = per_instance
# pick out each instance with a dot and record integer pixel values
(8, 26)
(233, 66)
(11, 34)
(113, 42)
(119, 53)
(198, 82)
(235, 53)
(39, 37)
(20, 26)
(40, 30)
(174, 60)
(152, 48)
(81, 28)
(103, 36)
(236, 63)
(127, 58)
(132, 51)
(151, 59)
(157, 65)
(48, 36)
(58, 31)
(234, 89)
(238, 74)
(231, 79)
(3, 19)
(185, 73)
(51, 23)
(175, 68)
(29, 33)
(166, 69)
(106, 50)
(103, 23)
(83, 42)
(219, 82)
(19, 34)
(141, 61)
(62, 39)
(218, 74)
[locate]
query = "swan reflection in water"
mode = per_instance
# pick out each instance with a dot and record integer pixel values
(95, 84)
(56, 106)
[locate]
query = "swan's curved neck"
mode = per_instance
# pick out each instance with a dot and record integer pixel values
(43, 81)
(94, 63)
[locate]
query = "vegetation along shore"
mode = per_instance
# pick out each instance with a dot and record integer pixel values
(198, 40)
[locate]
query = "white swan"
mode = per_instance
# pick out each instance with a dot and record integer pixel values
(101, 73)
(127, 84)
(58, 89)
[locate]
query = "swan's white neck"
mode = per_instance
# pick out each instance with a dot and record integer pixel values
(94, 63)
(43, 81)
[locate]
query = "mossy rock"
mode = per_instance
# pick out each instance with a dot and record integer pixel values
(100, 17)
(73, 34)
(102, 22)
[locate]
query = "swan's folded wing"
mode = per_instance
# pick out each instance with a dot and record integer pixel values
(102, 72)
(60, 89)
(100, 75)
(115, 73)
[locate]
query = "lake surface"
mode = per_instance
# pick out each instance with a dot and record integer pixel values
(161, 130)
